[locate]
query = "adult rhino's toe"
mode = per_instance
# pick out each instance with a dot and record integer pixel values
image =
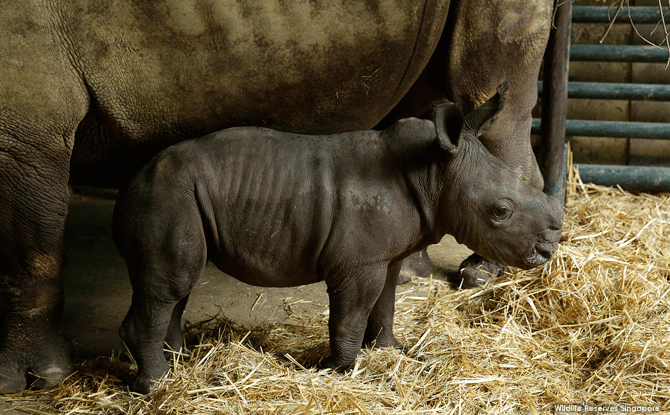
(51, 376)
(11, 382)
(471, 278)
(39, 359)
(476, 271)
(12, 372)
(418, 265)
(50, 361)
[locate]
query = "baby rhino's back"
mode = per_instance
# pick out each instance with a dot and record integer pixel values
(267, 202)
(260, 201)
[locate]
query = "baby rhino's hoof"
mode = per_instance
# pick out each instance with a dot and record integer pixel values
(142, 385)
(144, 381)
(334, 365)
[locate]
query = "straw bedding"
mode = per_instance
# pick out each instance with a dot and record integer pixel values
(592, 327)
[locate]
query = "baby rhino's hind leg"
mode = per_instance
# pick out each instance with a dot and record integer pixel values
(159, 297)
(379, 330)
(175, 335)
(165, 254)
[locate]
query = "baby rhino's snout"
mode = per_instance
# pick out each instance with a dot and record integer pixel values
(544, 249)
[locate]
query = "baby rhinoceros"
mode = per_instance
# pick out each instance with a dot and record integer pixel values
(276, 209)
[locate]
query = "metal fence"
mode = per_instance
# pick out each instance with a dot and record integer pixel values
(555, 90)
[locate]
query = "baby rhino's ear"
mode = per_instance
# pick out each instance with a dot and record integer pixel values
(448, 121)
(480, 120)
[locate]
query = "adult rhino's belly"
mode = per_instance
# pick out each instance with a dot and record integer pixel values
(305, 69)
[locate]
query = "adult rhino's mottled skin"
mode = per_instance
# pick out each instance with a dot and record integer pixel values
(91, 89)
(280, 209)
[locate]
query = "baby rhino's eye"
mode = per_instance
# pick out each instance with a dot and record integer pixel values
(502, 210)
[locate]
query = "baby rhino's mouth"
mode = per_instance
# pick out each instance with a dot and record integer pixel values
(539, 255)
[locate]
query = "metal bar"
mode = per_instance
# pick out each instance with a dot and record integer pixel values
(554, 114)
(615, 129)
(643, 179)
(603, 14)
(602, 90)
(617, 53)
(564, 176)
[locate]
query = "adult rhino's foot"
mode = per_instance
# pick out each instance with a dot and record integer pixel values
(39, 360)
(11, 380)
(476, 271)
(417, 264)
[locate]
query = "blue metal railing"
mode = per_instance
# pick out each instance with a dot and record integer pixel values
(634, 178)
(617, 53)
(614, 129)
(626, 92)
(643, 179)
(603, 14)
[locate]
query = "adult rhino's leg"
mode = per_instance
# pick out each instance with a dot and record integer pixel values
(485, 44)
(33, 206)
(42, 101)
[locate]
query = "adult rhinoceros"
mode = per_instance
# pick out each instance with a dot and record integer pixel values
(90, 89)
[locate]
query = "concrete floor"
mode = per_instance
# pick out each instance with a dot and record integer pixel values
(98, 292)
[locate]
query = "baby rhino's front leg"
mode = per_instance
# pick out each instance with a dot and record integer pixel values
(353, 295)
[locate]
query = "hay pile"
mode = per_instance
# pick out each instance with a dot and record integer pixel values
(590, 328)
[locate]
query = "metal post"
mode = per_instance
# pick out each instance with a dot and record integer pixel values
(554, 101)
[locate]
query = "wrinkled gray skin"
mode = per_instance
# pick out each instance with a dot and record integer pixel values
(277, 209)
(92, 89)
